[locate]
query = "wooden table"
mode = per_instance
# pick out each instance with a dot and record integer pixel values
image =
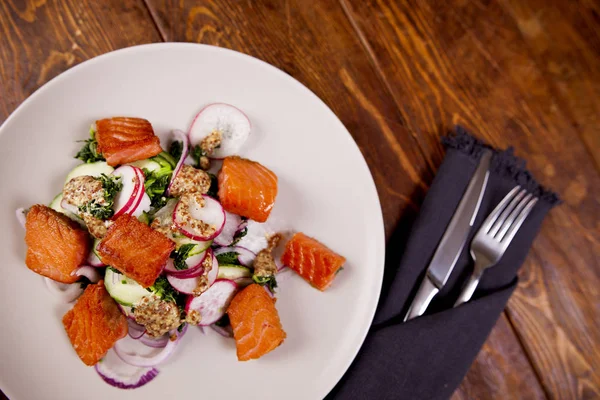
(399, 74)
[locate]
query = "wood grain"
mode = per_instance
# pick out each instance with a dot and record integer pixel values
(316, 43)
(41, 39)
(493, 375)
(564, 39)
(455, 61)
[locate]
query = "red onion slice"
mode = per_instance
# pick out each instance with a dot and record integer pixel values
(89, 272)
(228, 333)
(65, 292)
(136, 330)
(244, 256)
(179, 136)
(119, 374)
(147, 361)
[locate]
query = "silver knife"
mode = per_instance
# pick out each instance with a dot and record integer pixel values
(453, 240)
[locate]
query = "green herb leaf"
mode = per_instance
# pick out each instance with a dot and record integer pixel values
(111, 186)
(269, 281)
(163, 289)
(239, 235)
(89, 151)
(176, 149)
(229, 258)
(214, 186)
(196, 153)
(180, 255)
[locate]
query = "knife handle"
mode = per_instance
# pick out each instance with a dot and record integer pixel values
(426, 292)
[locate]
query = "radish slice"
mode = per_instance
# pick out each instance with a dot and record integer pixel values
(232, 223)
(127, 198)
(142, 200)
(184, 285)
(65, 292)
(212, 213)
(231, 122)
(214, 271)
(189, 284)
(89, 272)
(21, 216)
(194, 266)
(137, 360)
(179, 136)
(244, 256)
(119, 374)
(213, 303)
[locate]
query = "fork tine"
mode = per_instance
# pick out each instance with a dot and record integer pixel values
(489, 221)
(502, 218)
(517, 224)
(512, 217)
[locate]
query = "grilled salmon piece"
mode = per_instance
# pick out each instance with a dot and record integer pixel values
(247, 188)
(135, 249)
(256, 326)
(56, 245)
(94, 324)
(312, 260)
(122, 140)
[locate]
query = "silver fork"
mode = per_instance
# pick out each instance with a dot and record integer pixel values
(495, 234)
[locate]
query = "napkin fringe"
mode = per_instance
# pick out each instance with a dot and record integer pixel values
(504, 163)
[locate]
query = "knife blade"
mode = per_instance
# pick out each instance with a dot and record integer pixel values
(452, 242)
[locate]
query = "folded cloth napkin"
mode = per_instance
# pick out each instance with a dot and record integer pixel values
(427, 357)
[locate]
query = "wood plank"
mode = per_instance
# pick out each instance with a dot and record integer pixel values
(463, 62)
(565, 39)
(493, 377)
(41, 39)
(315, 43)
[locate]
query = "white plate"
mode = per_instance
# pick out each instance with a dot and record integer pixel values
(326, 191)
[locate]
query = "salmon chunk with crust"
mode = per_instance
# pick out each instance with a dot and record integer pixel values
(255, 321)
(56, 245)
(122, 140)
(247, 188)
(94, 324)
(135, 249)
(312, 260)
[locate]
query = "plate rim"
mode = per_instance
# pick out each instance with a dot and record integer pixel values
(379, 237)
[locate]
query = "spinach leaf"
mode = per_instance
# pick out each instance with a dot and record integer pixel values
(269, 281)
(89, 151)
(229, 258)
(180, 255)
(163, 289)
(111, 186)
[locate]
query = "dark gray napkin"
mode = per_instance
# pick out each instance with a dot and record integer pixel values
(427, 357)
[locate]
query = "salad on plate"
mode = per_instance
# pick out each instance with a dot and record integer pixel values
(147, 240)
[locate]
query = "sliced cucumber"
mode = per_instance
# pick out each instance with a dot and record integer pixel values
(180, 240)
(148, 164)
(164, 156)
(56, 206)
(233, 272)
(124, 290)
(92, 169)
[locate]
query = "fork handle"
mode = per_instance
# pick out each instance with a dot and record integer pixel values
(469, 288)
